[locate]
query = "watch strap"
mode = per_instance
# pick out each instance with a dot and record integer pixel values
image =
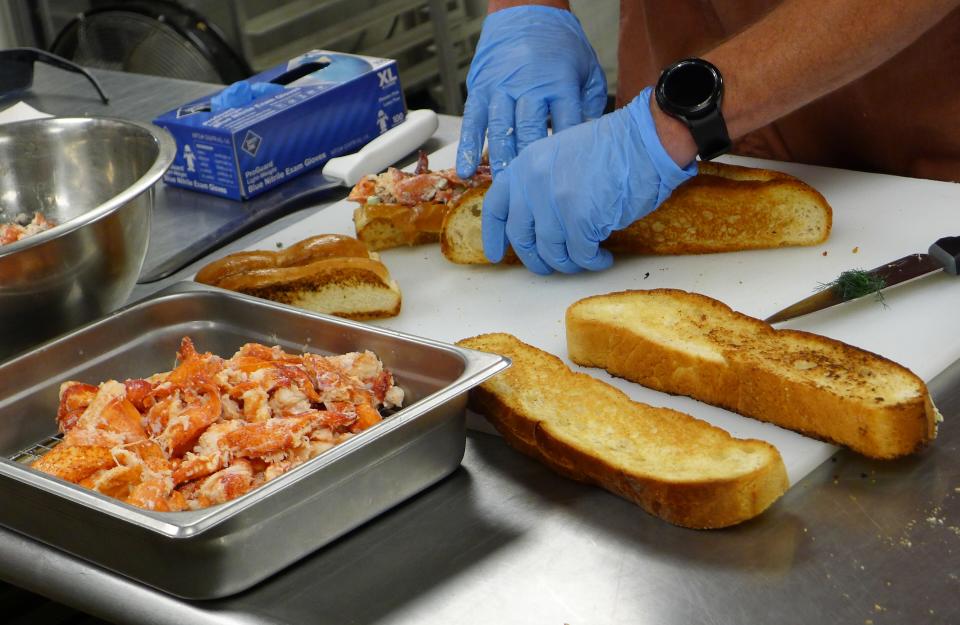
(710, 134)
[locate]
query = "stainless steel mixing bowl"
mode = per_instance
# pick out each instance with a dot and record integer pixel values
(94, 178)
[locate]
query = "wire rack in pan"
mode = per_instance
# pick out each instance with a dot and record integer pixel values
(28, 455)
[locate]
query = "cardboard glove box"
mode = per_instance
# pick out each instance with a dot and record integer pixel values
(331, 104)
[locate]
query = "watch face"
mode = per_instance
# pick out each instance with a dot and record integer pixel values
(690, 87)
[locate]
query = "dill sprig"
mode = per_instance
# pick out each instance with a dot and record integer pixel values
(856, 283)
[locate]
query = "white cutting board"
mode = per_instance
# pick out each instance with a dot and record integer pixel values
(876, 219)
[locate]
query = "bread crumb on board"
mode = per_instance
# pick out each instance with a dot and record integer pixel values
(824, 253)
(856, 249)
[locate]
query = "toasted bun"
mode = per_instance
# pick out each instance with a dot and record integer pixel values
(675, 467)
(384, 226)
(460, 236)
(725, 208)
(331, 274)
(689, 344)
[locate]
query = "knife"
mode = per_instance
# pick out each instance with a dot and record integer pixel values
(944, 255)
(215, 221)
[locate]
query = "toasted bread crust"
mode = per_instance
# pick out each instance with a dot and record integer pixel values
(724, 208)
(689, 344)
(304, 252)
(706, 479)
(332, 274)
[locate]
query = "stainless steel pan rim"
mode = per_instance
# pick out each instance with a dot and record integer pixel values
(166, 151)
(179, 525)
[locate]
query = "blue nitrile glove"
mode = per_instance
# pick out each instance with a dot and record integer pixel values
(242, 93)
(565, 194)
(530, 61)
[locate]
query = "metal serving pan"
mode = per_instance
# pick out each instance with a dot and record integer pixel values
(227, 548)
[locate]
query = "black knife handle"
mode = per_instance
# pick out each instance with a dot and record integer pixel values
(947, 252)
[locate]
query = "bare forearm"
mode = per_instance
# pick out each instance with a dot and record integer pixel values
(801, 51)
(496, 5)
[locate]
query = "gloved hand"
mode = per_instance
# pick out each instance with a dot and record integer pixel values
(530, 61)
(565, 194)
(242, 93)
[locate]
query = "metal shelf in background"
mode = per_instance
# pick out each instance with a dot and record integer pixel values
(432, 40)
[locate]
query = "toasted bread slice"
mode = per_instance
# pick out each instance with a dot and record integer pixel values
(385, 226)
(725, 208)
(331, 274)
(678, 468)
(689, 344)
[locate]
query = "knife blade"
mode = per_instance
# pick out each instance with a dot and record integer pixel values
(943, 255)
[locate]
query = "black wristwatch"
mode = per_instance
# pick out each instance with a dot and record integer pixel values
(692, 90)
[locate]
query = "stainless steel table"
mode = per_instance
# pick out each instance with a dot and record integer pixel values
(503, 541)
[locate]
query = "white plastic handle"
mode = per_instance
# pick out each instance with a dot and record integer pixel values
(385, 150)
